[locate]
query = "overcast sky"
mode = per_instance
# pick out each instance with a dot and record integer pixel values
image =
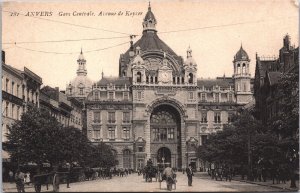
(259, 25)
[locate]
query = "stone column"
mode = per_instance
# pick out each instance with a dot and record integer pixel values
(147, 138)
(183, 143)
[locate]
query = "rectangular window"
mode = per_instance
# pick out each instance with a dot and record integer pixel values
(81, 91)
(125, 95)
(97, 117)
(96, 95)
(126, 117)
(6, 109)
(230, 99)
(18, 87)
(12, 88)
(97, 133)
(6, 85)
(110, 95)
(111, 117)
(191, 95)
(156, 134)
(217, 97)
(170, 133)
(204, 117)
(12, 110)
(230, 117)
(217, 117)
(18, 113)
(163, 134)
(203, 97)
(111, 133)
(126, 133)
(203, 139)
(139, 95)
(140, 149)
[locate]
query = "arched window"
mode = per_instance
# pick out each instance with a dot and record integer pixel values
(178, 80)
(244, 68)
(239, 69)
(191, 78)
(182, 80)
(151, 79)
(138, 77)
(126, 159)
(124, 72)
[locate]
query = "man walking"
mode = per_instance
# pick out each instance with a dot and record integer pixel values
(189, 173)
(19, 177)
(169, 174)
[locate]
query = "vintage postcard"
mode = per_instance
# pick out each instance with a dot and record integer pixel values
(146, 96)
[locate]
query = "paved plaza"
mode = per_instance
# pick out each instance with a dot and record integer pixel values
(135, 183)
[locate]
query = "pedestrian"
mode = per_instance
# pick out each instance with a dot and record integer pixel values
(27, 178)
(212, 170)
(169, 176)
(11, 176)
(56, 182)
(19, 177)
(189, 173)
(68, 175)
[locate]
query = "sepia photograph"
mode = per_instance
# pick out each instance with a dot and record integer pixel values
(150, 96)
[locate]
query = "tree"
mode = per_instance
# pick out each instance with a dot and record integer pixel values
(101, 155)
(38, 137)
(286, 123)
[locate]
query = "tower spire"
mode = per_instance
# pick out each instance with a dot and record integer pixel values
(149, 23)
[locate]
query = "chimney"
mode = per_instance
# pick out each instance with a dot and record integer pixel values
(3, 56)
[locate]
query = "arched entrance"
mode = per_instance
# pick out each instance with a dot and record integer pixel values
(165, 134)
(164, 155)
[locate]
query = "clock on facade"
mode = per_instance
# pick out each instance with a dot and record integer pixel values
(165, 77)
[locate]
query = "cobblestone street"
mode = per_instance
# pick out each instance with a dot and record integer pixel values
(135, 183)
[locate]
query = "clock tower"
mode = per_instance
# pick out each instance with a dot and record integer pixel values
(165, 72)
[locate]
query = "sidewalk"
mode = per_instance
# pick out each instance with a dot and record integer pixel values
(269, 183)
(11, 187)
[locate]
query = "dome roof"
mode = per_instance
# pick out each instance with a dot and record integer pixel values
(241, 55)
(84, 80)
(190, 61)
(149, 14)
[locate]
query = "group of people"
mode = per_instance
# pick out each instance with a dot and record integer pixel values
(20, 178)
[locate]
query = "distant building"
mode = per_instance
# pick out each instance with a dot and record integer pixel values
(267, 75)
(67, 111)
(157, 108)
(19, 90)
(81, 85)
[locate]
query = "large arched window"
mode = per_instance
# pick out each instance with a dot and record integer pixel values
(138, 77)
(126, 158)
(191, 78)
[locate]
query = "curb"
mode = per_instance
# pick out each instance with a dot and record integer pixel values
(250, 182)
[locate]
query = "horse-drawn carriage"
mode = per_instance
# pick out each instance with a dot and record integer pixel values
(150, 172)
